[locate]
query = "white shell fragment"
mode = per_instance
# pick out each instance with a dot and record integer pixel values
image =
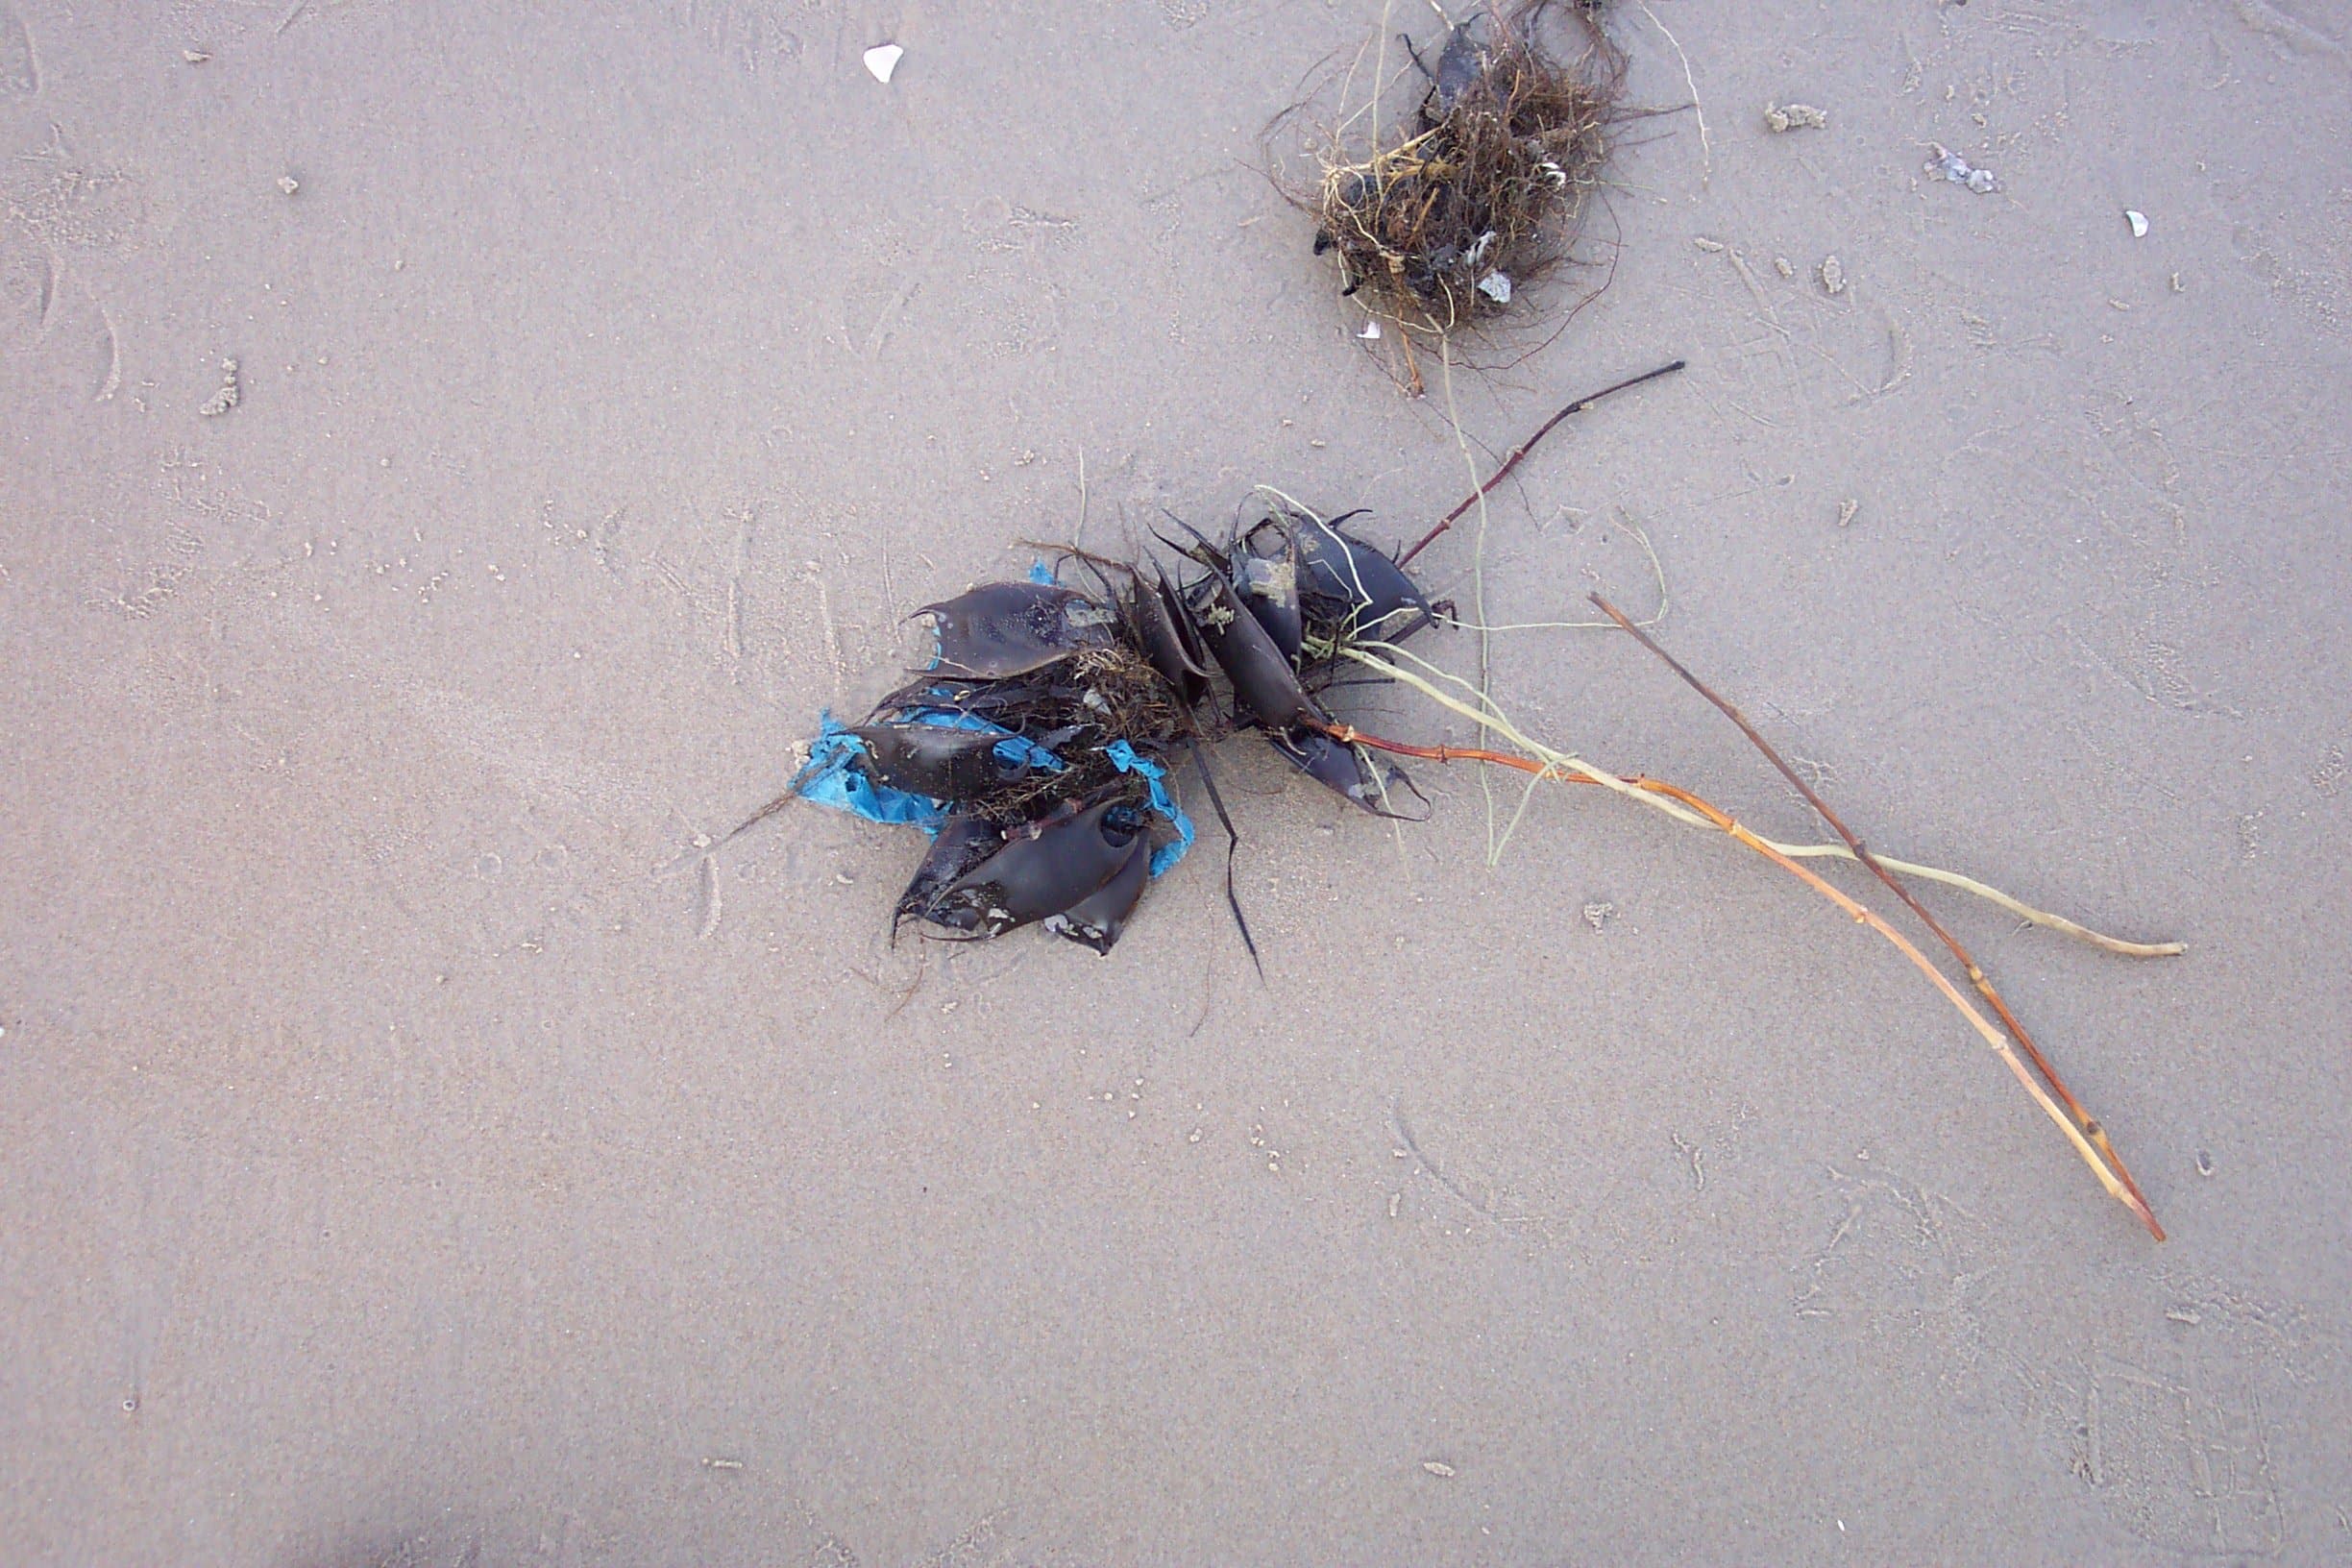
(1782, 118)
(226, 399)
(2138, 222)
(1959, 171)
(1833, 275)
(882, 60)
(1496, 286)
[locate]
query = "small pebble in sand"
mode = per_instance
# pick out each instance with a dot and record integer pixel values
(226, 399)
(1438, 1467)
(2138, 222)
(194, 57)
(1833, 275)
(1597, 914)
(288, 183)
(882, 60)
(1781, 266)
(1781, 117)
(1959, 170)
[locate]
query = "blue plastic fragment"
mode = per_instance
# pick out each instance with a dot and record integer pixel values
(1041, 573)
(832, 778)
(1123, 757)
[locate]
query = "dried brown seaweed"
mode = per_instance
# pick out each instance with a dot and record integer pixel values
(1441, 218)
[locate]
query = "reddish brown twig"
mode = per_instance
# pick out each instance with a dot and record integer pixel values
(1529, 445)
(2110, 1176)
(2084, 1122)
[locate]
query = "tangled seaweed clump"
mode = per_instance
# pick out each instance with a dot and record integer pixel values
(1442, 220)
(1034, 750)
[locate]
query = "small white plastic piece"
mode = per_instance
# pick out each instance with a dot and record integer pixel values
(882, 60)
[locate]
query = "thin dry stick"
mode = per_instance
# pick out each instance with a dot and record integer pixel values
(1657, 572)
(2087, 1124)
(2109, 1177)
(1529, 445)
(1992, 895)
(1478, 576)
(760, 816)
(1707, 149)
(1578, 770)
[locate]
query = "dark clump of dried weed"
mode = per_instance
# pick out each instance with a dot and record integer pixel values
(1440, 215)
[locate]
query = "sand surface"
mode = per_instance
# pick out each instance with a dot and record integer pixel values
(417, 1147)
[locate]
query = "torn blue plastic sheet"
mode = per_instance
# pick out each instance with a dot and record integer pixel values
(1123, 757)
(832, 778)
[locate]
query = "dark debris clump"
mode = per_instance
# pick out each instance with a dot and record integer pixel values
(1444, 217)
(1035, 749)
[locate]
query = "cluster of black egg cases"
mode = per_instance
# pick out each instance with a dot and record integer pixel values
(1041, 730)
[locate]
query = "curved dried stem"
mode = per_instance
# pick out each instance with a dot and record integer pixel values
(2087, 1125)
(2089, 1141)
(1529, 445)
(1494, 718)
(1993, 896)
